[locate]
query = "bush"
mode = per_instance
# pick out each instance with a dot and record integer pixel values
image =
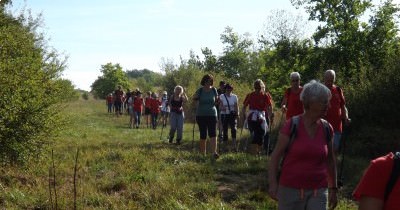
(30, 88)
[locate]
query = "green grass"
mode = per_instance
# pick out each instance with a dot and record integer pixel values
(122, 168)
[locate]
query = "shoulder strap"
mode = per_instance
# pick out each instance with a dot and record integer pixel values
(327, 130)
(229, 107)
(215, 91)
(393, 176)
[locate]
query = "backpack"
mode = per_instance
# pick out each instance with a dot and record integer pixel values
(293, 131)
(393, 176)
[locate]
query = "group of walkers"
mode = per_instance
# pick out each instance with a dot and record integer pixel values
(302, 171)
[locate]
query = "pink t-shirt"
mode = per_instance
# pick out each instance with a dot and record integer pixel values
(306, 163)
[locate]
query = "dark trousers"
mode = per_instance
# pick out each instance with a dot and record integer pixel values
(230, 121)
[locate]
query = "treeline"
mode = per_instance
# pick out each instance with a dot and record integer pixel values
(365, 56)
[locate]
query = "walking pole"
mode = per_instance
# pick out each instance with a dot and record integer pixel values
(340, 180)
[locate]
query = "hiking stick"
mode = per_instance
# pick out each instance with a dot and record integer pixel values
(343, 140)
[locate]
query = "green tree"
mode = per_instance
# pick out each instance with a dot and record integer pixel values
(113, 75)
(235, 62)
(30, 87)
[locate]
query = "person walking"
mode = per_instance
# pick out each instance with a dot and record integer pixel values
(155, 110)
(229, 109)
(138, 105)
(177, 114)
(147, 108)
(259, 114)
(337, 112)
(164, 109)
(308, 171)
(206, 115)
(119, 100)
(291, 104)
(110, 102)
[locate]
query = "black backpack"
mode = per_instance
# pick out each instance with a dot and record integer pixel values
(394, 175)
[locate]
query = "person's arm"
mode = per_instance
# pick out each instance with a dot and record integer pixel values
(370, 203)
(277, 154)
(332, 176)
(284, 102)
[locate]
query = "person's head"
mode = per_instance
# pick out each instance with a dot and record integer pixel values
(259, 85)
(154, 95)
(207, 79)
(295, 79)
(139, 94)
(178, 90)
(149, 93)
(329, 78)
(222, 84)
(119, 87)
(315, 97)
(228, 88)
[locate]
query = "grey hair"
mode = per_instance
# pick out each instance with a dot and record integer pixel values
(313, 92)
(295, 75)
(331, 72)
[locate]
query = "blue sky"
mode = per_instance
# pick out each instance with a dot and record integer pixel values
(138, 33)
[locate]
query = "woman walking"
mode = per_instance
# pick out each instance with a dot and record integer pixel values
(206, 115)
(176, 114)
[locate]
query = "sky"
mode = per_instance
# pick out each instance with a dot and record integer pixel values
(137, 34)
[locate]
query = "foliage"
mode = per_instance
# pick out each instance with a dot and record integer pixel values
(30, 87)
(112, 76)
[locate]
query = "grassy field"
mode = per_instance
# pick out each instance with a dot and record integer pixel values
(122, 168)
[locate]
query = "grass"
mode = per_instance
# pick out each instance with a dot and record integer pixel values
(122, 168)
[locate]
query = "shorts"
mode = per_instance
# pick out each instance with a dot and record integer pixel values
(207, 124)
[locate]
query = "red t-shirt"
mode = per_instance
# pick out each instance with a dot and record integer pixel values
(306, 163)
(110, 99)
(147, 102)
(258, 101)
(138, 104)
(155, 106)
(334, 114)
(119, 95)
(373, 183)
(294, 105)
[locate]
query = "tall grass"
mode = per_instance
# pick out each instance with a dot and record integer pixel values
(123, 168)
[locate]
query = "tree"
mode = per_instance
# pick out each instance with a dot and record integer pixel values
(113, 75)
(234, 62)
(30, 87)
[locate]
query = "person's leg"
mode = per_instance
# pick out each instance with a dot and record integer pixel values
(173, 123)
(233, 126)
(179, 126)
(212, 134)
(290, 199)
(202, 124)
(257, 134)
(317, 200)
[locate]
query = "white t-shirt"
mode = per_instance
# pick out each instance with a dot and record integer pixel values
(232, 101)
(164, 104)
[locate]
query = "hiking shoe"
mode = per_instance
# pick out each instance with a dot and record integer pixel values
(215, 156)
